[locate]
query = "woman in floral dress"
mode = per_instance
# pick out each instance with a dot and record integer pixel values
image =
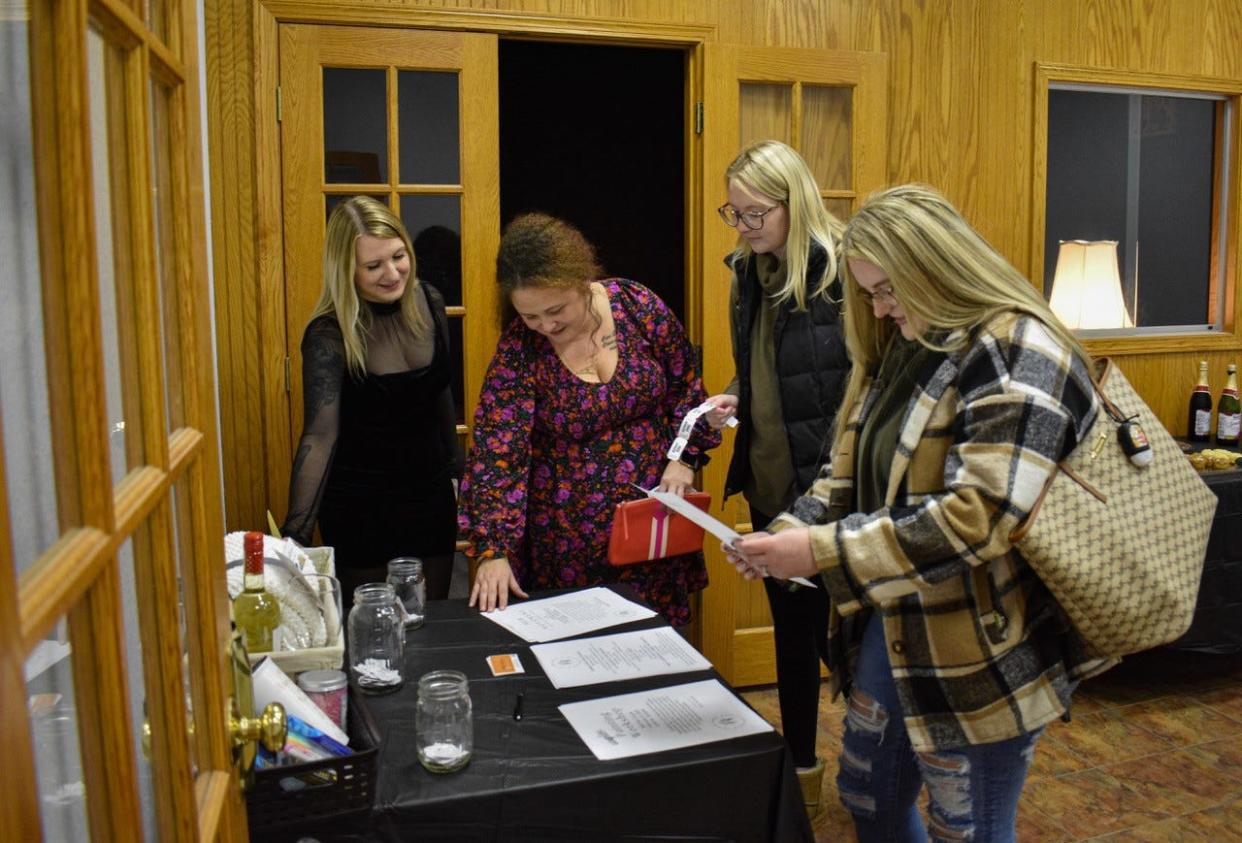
(581, 401)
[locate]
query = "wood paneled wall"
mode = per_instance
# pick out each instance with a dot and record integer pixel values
(960, 117)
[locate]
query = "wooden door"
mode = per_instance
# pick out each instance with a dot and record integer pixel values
(120, 614)
(409, 117)
(831, 107)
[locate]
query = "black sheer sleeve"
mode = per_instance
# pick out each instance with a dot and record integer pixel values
(323, 373)
(446, 410)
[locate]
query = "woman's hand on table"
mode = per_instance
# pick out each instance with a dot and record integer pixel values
(678, 479)
(493, 580)
(782, 555)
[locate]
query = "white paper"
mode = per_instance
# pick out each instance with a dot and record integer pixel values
(271, 684)
(662, 718)
(566, 615)
(612, 658)
(717, 528)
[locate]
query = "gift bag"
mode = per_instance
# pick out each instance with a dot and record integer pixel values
(644, 530)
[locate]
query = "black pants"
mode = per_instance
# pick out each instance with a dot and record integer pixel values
(799, 631)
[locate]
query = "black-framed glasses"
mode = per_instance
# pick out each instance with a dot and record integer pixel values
(751, 219)
(883, 295)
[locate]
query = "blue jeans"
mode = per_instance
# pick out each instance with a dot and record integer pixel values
(973, 790)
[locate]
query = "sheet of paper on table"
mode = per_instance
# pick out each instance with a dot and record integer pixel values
(661, 719)
(714, 526)
(612, 658)
(566, 615)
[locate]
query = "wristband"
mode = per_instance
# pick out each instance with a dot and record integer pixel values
(687, 427)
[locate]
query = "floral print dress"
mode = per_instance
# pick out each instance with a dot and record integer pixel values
(553, 455)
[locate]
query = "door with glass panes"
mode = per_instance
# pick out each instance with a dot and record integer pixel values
(831, 107)
(114, 630)
(408, 117)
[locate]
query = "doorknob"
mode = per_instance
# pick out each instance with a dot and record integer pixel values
(269, 728)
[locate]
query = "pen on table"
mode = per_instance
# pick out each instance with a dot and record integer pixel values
(517, 706)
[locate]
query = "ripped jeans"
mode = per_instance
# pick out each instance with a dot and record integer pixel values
(973, 790)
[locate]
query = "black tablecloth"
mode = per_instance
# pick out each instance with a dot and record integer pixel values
(1217, 627)
(535, 780)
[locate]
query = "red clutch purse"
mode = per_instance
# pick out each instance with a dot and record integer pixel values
(644, 530)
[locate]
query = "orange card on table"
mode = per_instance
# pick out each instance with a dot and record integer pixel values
(505, 663)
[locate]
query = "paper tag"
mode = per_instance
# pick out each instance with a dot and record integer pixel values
(505, 663)
(687, 427)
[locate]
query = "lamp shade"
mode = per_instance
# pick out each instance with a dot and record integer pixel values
(1086, 289)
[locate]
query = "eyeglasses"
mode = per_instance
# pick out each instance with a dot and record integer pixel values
(883, 295)
(751, 219)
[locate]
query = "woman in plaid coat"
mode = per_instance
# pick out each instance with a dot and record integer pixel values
(965, 391)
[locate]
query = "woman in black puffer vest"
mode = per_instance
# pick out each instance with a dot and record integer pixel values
(791, 366)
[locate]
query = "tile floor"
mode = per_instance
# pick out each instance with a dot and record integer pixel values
(1154, 753)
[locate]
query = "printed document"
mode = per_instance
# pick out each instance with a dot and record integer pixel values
(566, 615)
(716, 527)
(662, 718)
(612, 658)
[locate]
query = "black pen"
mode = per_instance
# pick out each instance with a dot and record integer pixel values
(517, 706)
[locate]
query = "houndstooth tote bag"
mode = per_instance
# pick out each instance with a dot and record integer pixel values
(1120, 546)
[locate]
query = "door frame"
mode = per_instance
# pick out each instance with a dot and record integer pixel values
(244, 147)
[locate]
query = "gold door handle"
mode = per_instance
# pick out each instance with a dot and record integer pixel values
(270, 728)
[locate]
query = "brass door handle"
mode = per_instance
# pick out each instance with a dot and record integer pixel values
(270, 728)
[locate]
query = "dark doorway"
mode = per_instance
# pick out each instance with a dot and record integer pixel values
(595, 135)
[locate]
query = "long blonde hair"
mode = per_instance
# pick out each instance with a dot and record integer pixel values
(778, 172)
(349, 220)
(941, 270)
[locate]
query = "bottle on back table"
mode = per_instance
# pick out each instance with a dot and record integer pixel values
(1199, 425)
(1229, 411)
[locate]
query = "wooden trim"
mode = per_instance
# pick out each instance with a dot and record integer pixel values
(565, 28)
(753, 658)
(19, 810)
(47, 590)
(159, 623)
(101, 695)
(275, 416)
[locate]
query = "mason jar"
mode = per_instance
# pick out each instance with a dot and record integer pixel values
(405, 575)
(442, 721)
(376, 639)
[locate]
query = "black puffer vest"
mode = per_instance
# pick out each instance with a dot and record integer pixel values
(811, 368)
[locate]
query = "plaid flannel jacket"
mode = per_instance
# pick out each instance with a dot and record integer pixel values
(979, 650)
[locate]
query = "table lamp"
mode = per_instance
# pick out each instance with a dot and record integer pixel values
(1086, 289)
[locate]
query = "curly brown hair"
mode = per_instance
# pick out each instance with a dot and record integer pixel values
(539, 250)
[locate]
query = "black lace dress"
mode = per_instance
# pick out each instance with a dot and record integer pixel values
(378, 455)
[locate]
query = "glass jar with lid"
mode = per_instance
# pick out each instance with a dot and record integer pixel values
(376, 639)
(442, 720)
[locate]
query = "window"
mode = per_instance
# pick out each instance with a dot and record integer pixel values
(1147, 166)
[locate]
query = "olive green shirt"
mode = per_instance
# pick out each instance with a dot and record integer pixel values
(877, 440)
(773, 484)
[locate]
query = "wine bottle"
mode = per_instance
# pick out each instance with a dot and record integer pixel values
(255, 610)
(1229, 411)
(1199, 426)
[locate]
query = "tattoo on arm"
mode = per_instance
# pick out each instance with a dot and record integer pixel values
(609, 341)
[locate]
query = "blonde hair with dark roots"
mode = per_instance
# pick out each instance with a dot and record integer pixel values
(778, 172)
(538, 250)
(941, 270)
(349, 220)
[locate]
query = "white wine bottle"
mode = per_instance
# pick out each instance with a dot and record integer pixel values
(255, 610)
(1228, 411)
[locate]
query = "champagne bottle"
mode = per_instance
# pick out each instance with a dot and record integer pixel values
(1229, 411)
(1199, 426)
(255, 610)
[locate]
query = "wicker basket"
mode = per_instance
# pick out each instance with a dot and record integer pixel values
(283, 800)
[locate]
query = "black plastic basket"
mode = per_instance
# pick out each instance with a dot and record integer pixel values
(281, 799)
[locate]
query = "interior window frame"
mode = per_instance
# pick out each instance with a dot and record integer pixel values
(1225, 203)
